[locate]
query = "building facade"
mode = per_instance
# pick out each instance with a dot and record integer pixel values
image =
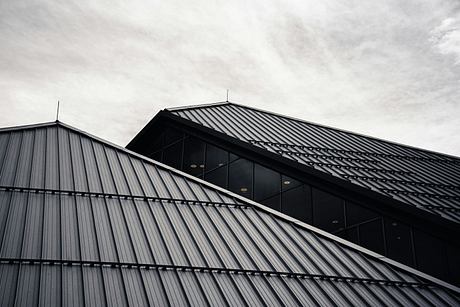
(401, 202)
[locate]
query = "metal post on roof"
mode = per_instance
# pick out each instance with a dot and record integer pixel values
(227, 94)
(57, 111)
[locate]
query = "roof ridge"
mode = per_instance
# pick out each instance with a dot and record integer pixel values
(327, 127)
(268, 210)
(29, 126)
(198, 106)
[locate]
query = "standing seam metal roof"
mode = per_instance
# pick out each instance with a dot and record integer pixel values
(424, 179)
(84, 222)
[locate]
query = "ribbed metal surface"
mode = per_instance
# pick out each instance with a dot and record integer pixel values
(425, 179)
(85, 223)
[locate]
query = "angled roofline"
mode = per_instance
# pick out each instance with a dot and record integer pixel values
(261, 207)
(198, 106)
(30, 126)
(317, 125)
(348, 185)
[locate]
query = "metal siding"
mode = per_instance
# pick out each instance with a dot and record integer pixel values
(32, 244)
(27, 290)
(117, 172)
(58, 226)
(8, 171)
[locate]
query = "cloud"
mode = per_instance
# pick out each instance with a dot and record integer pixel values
(446, 38)
(384, 68)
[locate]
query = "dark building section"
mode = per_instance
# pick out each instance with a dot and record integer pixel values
(370, 192)
(87, 223)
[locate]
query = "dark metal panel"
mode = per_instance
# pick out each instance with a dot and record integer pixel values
(135, 291)
(117, 171)
(170, 237)
(37, 175)
(120, 231)
(114, 287)
(8, 282)
(66, 175)
(104, 234)
(174, 288)
(52, 159)
(144, 179)
(4, 140)
(137, 231)
(247, 290)
(90, 165)
(72, 286)
(87, 226)
(8, 171)
(78, 164)
(131, 177)
(51, 246)
(27, 290)
(192, 289)
(226, 286)
(69, 228)
(264, 290)
(283, 291)
(32, 244)
(154, 287)
(105, 173)
(153, 233)
(93, 287)
(14, 230)
(160, 187)
(23, 171)
(50, 286)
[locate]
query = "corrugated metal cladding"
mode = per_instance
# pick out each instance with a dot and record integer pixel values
(83, 222)
(425, 179)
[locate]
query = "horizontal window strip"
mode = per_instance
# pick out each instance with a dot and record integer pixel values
(352, 279)
(121, 196)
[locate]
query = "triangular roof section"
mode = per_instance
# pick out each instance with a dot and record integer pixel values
(82, 219)
(423, 179)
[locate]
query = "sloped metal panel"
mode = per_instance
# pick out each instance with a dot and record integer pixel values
(122, 230)
(425, 179)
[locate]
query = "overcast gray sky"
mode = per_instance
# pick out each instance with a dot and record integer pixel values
(390, 69)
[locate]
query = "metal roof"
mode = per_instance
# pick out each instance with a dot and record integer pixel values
(85, 222)
(421, 178)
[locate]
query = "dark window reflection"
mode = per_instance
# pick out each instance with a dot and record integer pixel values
(273, 202)
(430, 254)
(193, 156)
(240, 175)
(171, 135)
(215, 157)
(357, 214)
(296, 202)
(217, 176)
(328, 212)
(453, 253)
(399, 242)
(156, 143)
(288, 183)
(371, 236)
(172, 155)
(267, 183)
(157, 156)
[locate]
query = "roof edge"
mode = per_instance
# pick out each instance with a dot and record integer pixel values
(198, 106)
(29, 126)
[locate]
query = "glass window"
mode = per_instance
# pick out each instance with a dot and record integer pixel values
(371, 236)
(215, 157)
(453, 256)
(350, 234)
(194, 156)
(430, 254)
(272, 202)
(399, 242)
(357, 214)
(296, 202)
(240, 173)
(156, 144)
(267, 183)
(171, 135)
(288, 183)
(157, 156)
(172, 155)
(217, 176)
(328, 213)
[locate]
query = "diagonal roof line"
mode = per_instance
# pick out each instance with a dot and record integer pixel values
(321, 126)
(30, 126)
(198, 106)
(269, 210)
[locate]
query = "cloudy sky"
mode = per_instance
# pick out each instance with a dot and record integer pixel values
(390, 69)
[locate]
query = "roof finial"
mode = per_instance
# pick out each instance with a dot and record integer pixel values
(57, 112)
(227, 94)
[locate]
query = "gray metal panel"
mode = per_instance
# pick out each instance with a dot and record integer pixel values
(27, 290)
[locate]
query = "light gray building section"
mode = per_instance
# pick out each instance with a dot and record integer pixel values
(86, 223)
